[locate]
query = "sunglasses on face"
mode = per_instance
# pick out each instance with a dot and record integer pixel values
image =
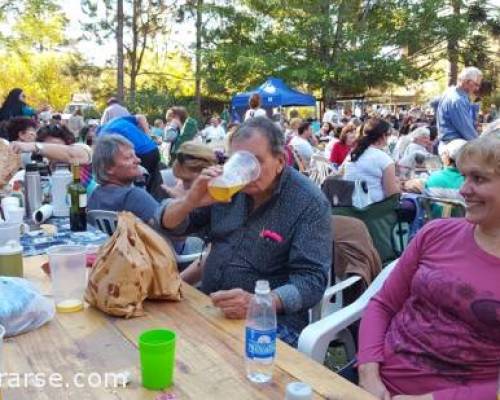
(186, 157)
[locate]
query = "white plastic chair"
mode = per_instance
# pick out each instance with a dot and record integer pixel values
(326, 306)
(316, 337)
(106, 221)
(319, 168)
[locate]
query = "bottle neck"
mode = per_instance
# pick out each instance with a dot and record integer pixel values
(76, 173)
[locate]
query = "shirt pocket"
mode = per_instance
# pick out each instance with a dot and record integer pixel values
(268, 256)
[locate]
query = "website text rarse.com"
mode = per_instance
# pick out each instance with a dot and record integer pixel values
(57, 380)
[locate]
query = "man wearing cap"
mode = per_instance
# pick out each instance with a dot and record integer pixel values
(455, 112)
(114, 110)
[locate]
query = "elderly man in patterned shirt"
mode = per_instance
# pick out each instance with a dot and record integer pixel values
(294, 256)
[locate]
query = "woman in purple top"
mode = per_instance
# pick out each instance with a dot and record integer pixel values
(433, 330)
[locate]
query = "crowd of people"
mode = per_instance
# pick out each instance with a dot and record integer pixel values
(414, 342)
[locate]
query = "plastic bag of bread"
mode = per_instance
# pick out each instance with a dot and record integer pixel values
(10, 163)
(135, 264)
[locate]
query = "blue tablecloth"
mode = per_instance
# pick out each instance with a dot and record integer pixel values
(37, 242)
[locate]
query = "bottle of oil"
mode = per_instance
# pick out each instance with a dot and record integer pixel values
(77, 196)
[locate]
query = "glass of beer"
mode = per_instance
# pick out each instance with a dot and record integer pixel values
(68, 273)
(241, 169)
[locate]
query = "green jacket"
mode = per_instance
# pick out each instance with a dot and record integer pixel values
(188, 132)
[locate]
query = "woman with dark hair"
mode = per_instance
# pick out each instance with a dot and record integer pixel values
(15, 106)
(254, 110)
(57, 144)
(55, 134)
(325, 131)
(370, 163)
(22, 129)
(341, 149)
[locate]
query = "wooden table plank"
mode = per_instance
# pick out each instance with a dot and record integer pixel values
(209, 359)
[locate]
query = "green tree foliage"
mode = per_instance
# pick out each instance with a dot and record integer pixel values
(340, 46)
(30, 52)
(144, 22)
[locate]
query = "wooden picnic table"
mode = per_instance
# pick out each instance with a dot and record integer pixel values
(209, 354)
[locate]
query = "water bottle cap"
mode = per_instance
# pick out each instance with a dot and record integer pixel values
(262, 287)
(298, 391)
(32, 167)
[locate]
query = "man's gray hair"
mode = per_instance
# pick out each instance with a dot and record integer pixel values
(470, 73)
(103, 157)
(420, 132)
(266, 128)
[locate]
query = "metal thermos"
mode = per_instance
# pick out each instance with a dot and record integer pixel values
(32, 189)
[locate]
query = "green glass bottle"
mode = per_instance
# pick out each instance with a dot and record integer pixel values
(77, 195)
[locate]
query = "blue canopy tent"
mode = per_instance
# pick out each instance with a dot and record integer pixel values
(273, 93)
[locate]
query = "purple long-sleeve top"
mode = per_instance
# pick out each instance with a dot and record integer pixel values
(434, 327)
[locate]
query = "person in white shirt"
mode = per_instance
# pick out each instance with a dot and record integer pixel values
(214, 132)
(114, 110)
(331, 115)
(76, 123)
(419, 145)
(254, 110)
(301, 143)
(370, 163)
(45, 115)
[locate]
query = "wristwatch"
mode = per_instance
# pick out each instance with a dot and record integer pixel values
(38, 149)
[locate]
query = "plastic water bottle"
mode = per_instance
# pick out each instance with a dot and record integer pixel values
(260, 335)
(61, 179)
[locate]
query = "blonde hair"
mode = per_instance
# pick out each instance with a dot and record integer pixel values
(295, 123)
(485, 151)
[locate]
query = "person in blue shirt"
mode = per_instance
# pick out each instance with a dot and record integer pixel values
(15, 106)
(455, 114)
(136, 130)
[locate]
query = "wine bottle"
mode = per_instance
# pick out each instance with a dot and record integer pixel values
(77, 195)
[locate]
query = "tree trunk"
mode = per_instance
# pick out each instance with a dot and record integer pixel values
(119, 43)
(137, 6)
(452, 47)
(199, 21)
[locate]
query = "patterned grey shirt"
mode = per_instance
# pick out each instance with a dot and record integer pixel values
(296, 266)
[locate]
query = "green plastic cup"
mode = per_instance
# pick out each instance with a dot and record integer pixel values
(157, 352)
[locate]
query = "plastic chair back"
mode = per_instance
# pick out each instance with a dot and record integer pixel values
(105, 220)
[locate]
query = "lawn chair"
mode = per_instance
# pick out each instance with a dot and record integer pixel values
(439, 207)
(316, 337)
(389, 232)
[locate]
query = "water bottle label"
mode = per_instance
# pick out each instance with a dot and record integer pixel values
(260, 344)
(83, 200)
